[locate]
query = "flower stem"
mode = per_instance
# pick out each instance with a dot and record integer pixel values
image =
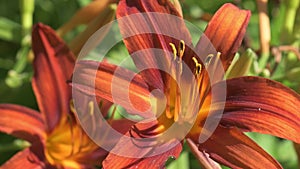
(289, 20)
(264, 32)
(14, 77)
(27, 8)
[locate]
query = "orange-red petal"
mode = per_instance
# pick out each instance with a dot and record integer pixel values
(143, 28)
(96, 157)
(225, 31)
(261, 105)
(140, 149)
(232, 148)
(113, 161)
(53, 66)
(113, 83)
(91, 159)
(22, 122)
(25, 159)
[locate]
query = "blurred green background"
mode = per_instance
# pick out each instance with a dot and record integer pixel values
(280, 63)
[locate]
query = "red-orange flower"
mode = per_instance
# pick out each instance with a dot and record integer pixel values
(252, 104)
(57, 139)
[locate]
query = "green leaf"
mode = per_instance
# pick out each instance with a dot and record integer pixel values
(10, 30)
(181, 162)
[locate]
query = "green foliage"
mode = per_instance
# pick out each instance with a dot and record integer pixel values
(17, 18)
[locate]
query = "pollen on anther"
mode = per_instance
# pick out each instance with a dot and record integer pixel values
(181, 48)
(208, 59)
(174, 50)
(198, 66)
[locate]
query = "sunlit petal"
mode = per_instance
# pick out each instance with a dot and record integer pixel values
(260, 105)
(225, 32)
(138, 143)
(114, 84)
(25, 159)
(53, 66)
(22, 122)
(147, 31)
(234, 149)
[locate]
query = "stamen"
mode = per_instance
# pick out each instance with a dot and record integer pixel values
(208, 59)
(91, 106)
(181, 48)
(169, 110)
(218, 54)
(174, 50)
(72, 108)
(72, 136)
(174, 106)
(91, 113)
(177, 108)
(198, 66)
(215, 63)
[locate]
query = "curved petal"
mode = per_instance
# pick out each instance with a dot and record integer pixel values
(137, 150)
(234, 149)
(203, 158)
(122, 125)
(25, 159)
(113, 161)
(261, 105)
(96, 157)
(53, 66)
(22, 122)
(143, 26)
(225, 32)
(115, 84)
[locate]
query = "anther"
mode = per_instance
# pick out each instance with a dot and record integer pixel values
(72, 107)
(208, 59)
(174, 50)
(198, 66)
(181, 48)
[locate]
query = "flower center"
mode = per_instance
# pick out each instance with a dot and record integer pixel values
(186, 91)
(68, 143)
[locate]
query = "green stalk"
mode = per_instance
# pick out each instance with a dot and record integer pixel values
(264, 57)
(27, 9)
(289, 21)
(297, 25)
(15, 76)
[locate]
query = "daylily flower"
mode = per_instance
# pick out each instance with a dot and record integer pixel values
(57, 139)
(252, 104)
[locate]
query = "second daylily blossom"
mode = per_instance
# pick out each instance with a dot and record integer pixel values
(56, 138)
(251, 104)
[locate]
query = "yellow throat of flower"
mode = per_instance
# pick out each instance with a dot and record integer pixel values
(186, 101)
(67, 144)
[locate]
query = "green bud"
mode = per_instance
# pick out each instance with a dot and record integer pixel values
(242, 66)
